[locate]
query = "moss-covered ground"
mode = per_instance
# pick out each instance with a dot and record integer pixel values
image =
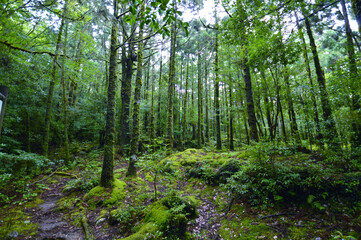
(189, 195)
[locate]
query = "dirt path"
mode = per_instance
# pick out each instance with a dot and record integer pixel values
(51, 222)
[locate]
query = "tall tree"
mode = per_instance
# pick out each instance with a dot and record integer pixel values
(354, 79)
(107, 176)
(49, 101)
(330, 133)
(216, 96)
(170, 126)
(134, 143)
(200, 98)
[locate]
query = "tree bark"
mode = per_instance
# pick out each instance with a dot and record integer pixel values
(252, 121)
(170, 127)
(134, 143)
(107, 176)
(200, 100)
(216, 97)
(231, 143)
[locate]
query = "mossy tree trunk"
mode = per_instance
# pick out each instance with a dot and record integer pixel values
(170, 125)
(200, 99)
(107, 176)
(134, 142)
(331, 132)
(127, 57)
(49, 101)
(151, 123)
(206, 102)
(159, 119)
(184, 120)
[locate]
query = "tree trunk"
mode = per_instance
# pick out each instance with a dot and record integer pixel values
(216, 97)
(134, 143)
(206, 103)
(159, 120)
(65, 98)
(184, 120)
(170, 127)
(252, 121)
(231, 144)
(354, 79)
(291, 112)
(152, 128)
(200, 102)
(127, 74)
(49, 101)
(309, 74)
(331, 132)
(107, 176)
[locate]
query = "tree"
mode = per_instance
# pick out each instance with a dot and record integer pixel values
(107, 176)
(134, 143)
(49, 100)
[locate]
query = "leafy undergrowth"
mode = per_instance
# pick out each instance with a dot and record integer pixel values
(259, 193)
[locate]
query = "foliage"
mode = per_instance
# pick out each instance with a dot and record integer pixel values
(278, 177)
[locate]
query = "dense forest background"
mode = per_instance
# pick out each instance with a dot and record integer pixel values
(130, 79)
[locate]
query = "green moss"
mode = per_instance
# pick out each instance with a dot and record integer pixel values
(244, 229)
(147, 230)
(103, 196)
(14, 220)
(168, 217)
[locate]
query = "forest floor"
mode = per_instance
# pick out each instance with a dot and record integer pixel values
(64, 210)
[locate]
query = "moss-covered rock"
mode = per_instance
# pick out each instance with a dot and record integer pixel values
(167, 217)
(107, 197)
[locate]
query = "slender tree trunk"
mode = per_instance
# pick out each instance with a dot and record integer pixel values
(231, 144)
(216, 97)
(64, 96)
(107, 176)
(354, 79)
(49, 101)
(206, 102)
(152, 128)
(244, 115)
(146, 97)
(331, 132)
(309, 74)
(159, 120)
(291, 112)
(134, 143)
(170, 127)
(184, 122)
(267, 105)
(252, 121)
(200, 98)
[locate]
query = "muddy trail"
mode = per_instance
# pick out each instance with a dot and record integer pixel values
(51, 222)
